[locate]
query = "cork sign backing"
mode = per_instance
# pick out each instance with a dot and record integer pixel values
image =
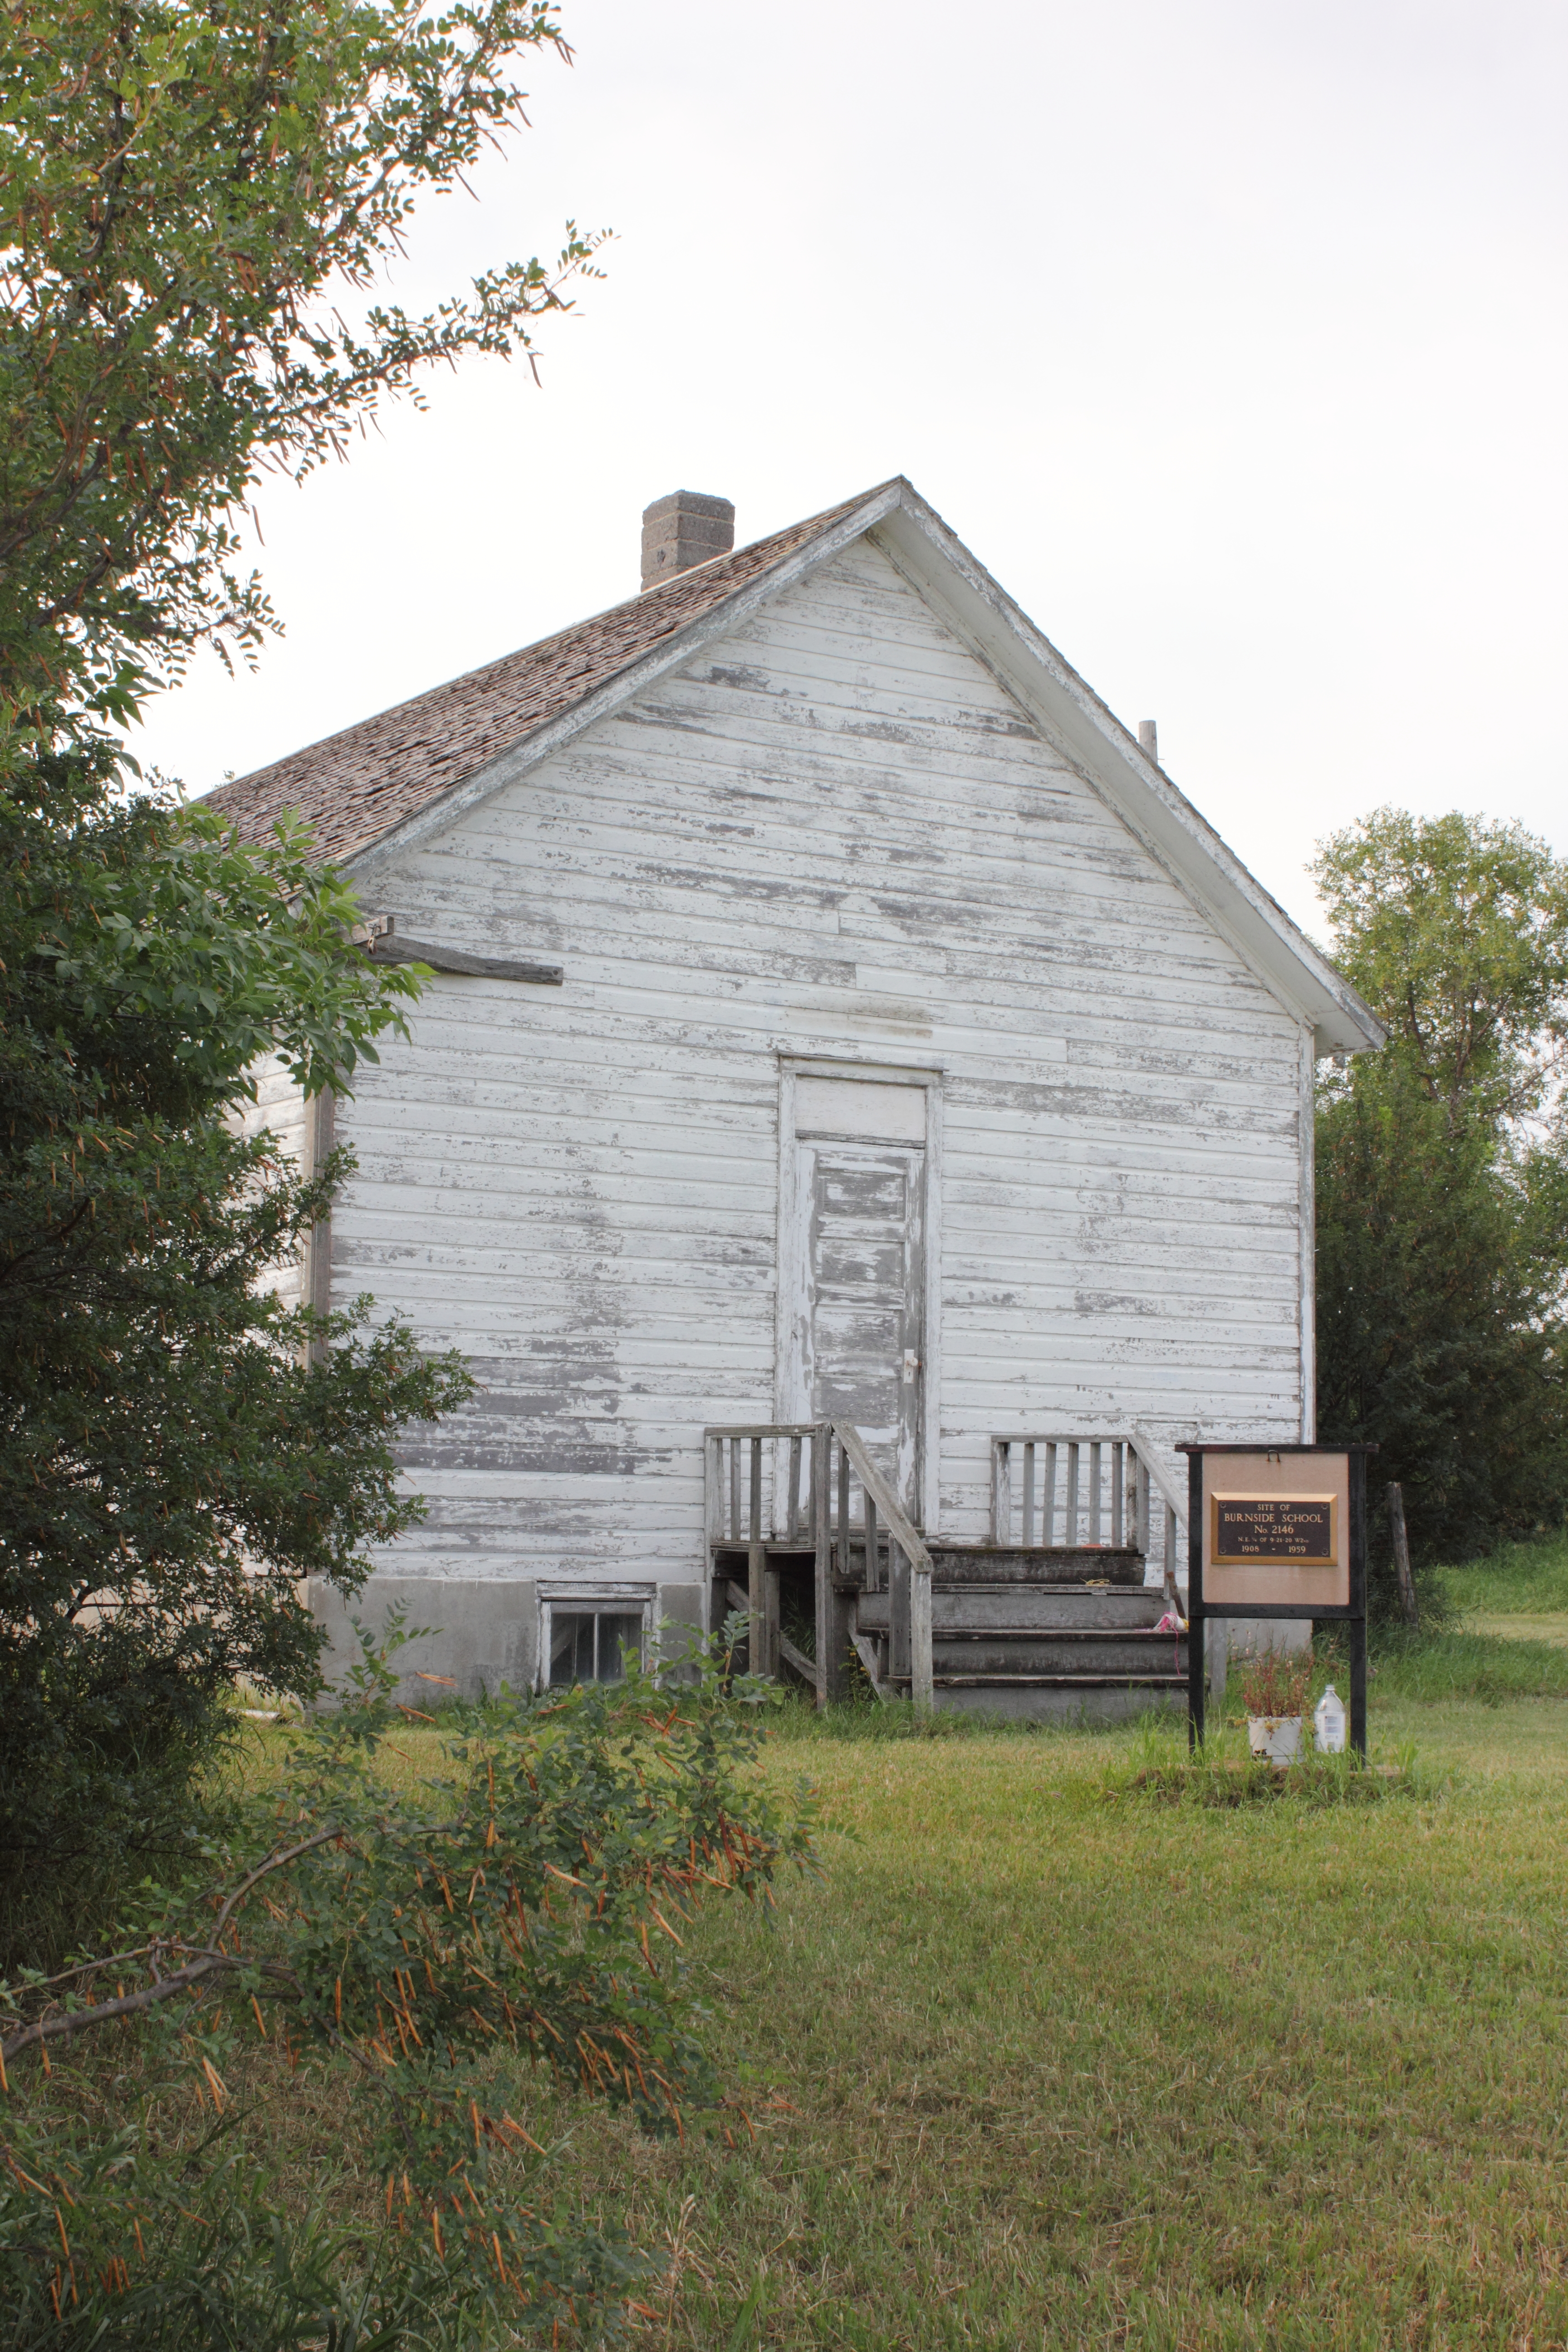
(1275, 1529)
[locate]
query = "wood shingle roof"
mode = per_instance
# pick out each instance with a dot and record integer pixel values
(355, 787)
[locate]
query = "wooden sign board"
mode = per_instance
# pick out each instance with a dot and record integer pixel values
(1275, 1527)
(1276, 1532)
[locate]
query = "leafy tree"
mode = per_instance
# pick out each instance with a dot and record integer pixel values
(194, 205)
(1442, 1199)
(170, 1462)
(1456, 931)
(194, 202)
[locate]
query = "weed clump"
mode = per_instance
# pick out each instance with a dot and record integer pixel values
(1277, 1683)
(1459, 1664)
(1158, 1767)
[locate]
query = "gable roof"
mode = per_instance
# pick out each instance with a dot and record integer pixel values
(387, 781)
(355, 786)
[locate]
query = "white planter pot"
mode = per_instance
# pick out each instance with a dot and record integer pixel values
(1278, 1737)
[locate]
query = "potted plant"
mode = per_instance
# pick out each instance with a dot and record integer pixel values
(1274, 1687)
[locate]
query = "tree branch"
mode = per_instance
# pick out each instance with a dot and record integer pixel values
(209, 1961)
(72, 2021)
(274, 1861)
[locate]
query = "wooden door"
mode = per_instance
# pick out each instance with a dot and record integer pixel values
(863, 1309)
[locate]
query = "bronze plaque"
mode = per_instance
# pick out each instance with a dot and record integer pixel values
(1295, 1530)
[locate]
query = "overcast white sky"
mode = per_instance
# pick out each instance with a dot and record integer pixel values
(1229, 335)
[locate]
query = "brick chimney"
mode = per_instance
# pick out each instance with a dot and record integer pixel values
(682, 530)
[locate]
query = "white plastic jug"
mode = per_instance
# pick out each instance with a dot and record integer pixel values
(1329, 1723)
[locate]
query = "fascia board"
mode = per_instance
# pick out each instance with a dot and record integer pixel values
(1115, 765)
(509, 766)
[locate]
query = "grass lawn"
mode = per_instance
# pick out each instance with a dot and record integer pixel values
(1520, 1595)
(1038, 2061)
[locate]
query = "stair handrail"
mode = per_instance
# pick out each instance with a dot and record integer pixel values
(890, 1512)
(745, 1501)
(902, 1529)
(1176, 1511)
(1143, 1444)
(1138, 1445)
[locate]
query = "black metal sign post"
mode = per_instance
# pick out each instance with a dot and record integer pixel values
(1251, 1534)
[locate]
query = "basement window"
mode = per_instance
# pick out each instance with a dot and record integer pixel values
(586, 1645)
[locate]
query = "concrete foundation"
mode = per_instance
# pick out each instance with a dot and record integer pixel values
(481, 1632)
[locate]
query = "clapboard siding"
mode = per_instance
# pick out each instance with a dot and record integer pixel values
(832, 833)
(279, 1104)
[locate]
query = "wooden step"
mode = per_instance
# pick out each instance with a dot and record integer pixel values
(955, 1564)
(983, 1563)
(1024, 1608)
(1173, 1683)
(1070, 1650)
(1032, 1632)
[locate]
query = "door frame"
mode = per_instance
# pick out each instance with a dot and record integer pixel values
(790, 1404)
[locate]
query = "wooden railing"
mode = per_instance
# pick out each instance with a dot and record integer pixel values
(1072, 1493)
(814, 1486)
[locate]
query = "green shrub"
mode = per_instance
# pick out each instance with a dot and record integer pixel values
(413, 1944)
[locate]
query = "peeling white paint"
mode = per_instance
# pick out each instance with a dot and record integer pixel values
(833, 834)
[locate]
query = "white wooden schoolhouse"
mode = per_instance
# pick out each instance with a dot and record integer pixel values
(860, 1122)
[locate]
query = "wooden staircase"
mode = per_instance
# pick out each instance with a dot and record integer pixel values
(842, 1582)
(1043, 1632)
